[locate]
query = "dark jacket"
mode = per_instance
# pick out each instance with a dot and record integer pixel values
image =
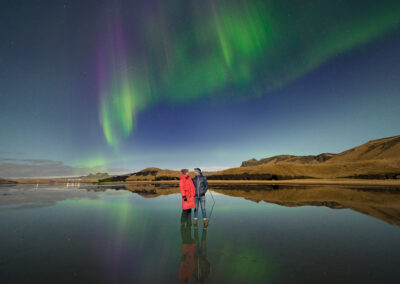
(201, 185)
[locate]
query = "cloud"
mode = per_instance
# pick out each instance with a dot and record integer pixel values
(30, 161)
(18, 168)
(12, 152)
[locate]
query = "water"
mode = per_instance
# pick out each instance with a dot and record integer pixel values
(134, 234)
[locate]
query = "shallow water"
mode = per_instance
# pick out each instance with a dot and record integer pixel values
(257, 234)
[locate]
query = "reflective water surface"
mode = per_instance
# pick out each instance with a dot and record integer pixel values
(257, 234)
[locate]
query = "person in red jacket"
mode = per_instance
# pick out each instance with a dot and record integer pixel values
(188, 192)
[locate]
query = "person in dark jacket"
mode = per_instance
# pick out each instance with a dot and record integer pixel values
(201, 186)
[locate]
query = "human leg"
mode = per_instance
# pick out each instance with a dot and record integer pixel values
(203, 211)
(203, 206)
(185, 217)
(196, 210)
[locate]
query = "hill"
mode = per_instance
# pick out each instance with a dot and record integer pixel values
(96, 176)
(148, 174)
(376, 159)
(380, 149)
(154, 174)
(385, 148)
(289, 159)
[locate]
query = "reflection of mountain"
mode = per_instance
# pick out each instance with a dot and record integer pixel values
(380, 204)
(151, 190)
(383, 205)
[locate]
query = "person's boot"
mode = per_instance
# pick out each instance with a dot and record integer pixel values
(195, 222)
(205, 223)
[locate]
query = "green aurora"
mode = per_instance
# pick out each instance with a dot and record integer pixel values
(226, 50)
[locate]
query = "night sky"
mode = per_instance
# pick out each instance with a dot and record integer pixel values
(118, 86)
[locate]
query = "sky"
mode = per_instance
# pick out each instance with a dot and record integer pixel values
(118, 86)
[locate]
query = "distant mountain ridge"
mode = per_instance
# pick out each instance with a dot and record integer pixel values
(289, 159)
(384, 148)
(376, 159)
(154, 174)
(148, 174)
(96, 176)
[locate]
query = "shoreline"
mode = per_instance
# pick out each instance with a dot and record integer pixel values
(340, 182)
(350, 182)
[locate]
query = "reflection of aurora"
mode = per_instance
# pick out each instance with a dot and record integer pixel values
(247, 264)
(126, 232)
(119, 236)
(181, 51)
(129, 227)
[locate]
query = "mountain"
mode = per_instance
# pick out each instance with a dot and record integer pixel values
(154, 174)
(385, 148)
(96, 176)
(376, 159)
(380, 149)
(289, 159)
(148, 174)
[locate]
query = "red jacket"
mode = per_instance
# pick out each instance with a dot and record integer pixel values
(187, 189)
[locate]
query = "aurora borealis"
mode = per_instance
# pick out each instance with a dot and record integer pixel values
(131, 84)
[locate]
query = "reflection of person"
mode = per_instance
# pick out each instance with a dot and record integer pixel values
(188, 249)
(202, 266)
(188, 191)
(201, 185)
(193, 260)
